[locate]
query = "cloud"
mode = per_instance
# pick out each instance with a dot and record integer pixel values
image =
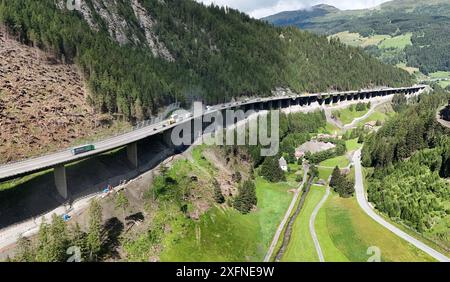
(262, 8)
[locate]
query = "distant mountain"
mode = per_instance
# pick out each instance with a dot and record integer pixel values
(301, 18)
(409, 33)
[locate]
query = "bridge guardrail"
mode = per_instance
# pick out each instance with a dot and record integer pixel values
(139, 125)
(149, 122)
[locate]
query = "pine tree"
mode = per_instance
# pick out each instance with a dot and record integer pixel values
(25, 250)
(59, 241)
(122, 203)
(218, 196)
(94, 237)
(246, 199)
(270, 169)
(335, 177)
(79, 240)
(42, 243)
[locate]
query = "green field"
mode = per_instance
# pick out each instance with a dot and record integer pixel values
(346, 115)
(324, 173)
(355, 39)
(344, 231)
(381, 113)
(411, 70)
(397, 42)
(382, 41)
(341, 161)
(301, 246)
(352, 145)
(352, 232)
(443, 76)
(224, 234)
(330, 129)
(330, 251)
(440, 74)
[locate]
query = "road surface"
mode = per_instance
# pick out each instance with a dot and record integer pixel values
(280, 229)
(312, 220)
(364, 204)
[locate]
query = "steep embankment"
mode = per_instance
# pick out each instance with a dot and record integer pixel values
(140, 55)
(42, 102)
(173, 213)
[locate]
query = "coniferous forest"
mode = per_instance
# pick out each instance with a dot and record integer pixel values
(218, 54)
(411, 156)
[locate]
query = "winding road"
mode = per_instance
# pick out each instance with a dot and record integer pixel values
(312, 229)
(364, 204)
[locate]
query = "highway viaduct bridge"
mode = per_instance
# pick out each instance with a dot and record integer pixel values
(161, 132)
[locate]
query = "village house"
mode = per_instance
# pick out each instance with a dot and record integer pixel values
(283, 164)
(370, 125)
(299, 154)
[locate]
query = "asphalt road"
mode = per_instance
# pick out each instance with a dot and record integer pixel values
(312, 229)
(364, 204)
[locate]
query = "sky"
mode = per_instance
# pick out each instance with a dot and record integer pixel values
(262, 8)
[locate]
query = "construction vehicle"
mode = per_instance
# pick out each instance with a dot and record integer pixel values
(173, 119)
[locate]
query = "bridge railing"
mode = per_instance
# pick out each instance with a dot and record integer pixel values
(95, 139)
(139, 125)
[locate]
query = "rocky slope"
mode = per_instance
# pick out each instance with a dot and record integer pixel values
(137, 30)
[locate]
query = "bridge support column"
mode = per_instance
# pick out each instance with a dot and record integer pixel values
(167, 135)
(61, 180)
(132, 154)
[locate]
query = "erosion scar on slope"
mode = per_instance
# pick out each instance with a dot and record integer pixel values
(288, 232)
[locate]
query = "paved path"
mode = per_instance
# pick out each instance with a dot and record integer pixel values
(276, 238)
(364, 204)
(373, 107)
(312, 220)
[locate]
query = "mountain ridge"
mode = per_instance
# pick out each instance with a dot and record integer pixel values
(142, 55)
(417, 33)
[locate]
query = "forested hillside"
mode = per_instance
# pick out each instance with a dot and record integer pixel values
(411, 156)
(416, 33)
(140, 55)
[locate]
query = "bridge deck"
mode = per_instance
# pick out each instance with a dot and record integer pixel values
(32, 165)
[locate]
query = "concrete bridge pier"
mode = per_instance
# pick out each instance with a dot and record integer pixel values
(335, 100)
(262, 106)
(132, 154)
(61, 180)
